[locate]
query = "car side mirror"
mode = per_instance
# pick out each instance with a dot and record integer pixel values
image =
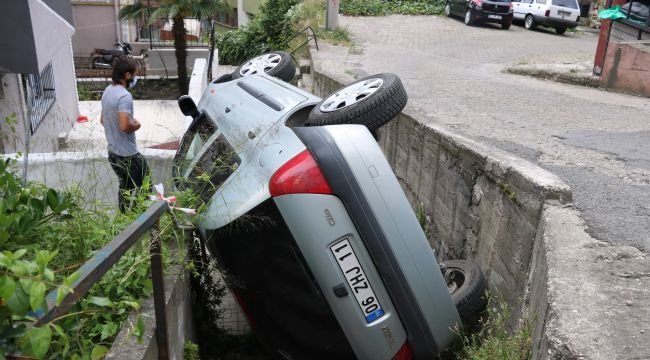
(188, 107)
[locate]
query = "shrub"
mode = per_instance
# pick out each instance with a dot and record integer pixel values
(269, 31)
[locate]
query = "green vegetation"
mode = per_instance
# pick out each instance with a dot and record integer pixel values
(45, 236)
(494, 340)
(178, 11)
(269, 31)
(388, 7)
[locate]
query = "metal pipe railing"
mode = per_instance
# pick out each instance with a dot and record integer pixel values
(91, 271)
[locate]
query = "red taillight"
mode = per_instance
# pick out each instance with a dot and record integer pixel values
(300, 175)
(510, 5)
(547, 13)
(404, 353)
(477, 2)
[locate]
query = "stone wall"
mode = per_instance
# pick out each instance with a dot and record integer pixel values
(480, 203)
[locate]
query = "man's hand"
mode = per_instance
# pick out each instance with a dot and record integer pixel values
(127, 123)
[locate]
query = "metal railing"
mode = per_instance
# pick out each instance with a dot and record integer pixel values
(640, 25)
(39, 95)
(306, 31)
(104, 259)
(159, 33)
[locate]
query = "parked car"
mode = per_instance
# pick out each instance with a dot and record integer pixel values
(314, 234)
(559, 14)
(475, 11)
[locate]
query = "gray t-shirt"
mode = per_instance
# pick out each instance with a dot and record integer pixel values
(116, 99)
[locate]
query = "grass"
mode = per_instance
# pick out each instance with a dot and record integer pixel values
(495, 340)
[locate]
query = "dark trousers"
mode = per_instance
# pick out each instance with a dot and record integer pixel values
(131, 171)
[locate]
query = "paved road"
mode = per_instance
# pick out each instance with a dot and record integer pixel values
(596, 141)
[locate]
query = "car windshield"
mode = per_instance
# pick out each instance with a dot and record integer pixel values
(216, 164)
(572, 4)
(193, 141)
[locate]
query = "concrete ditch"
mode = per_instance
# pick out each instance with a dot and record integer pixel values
(587, 298)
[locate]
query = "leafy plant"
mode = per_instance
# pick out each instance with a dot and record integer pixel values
(495, 340)
(271, 30)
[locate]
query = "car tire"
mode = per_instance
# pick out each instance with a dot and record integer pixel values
(448, 9)
(529, 22)
(560, 30)
(467, 288)
(506, 25)
(278, 64)
(468, 17)
(376, 100)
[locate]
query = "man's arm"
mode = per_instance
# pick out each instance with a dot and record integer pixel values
(127, 123)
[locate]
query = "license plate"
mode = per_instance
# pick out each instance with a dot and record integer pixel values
(498, 17)
(356, 278)
(563, 13)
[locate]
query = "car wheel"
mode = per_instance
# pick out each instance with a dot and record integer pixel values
(506, 25)
(560, 30)
(529, 22)
(466, 285)
(278, 64)
(468, 18)
(448, 9)
(372, 101)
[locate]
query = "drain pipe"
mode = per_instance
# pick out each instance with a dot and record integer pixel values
(27, 123)
(116, 4)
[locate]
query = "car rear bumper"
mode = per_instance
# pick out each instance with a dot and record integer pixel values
(362, 179)
(553, 22)
(491, 17)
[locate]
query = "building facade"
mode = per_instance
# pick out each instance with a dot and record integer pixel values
(38, 93)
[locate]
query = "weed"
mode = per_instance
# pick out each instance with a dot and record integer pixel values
(494, 340)
(507, 191)
(191, 351)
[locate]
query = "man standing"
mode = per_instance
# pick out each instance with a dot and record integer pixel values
(120, 127)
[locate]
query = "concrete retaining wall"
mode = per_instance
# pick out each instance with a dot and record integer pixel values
(587, 299)
(480, 203)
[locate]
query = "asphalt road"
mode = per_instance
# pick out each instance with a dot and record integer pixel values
(596, 141)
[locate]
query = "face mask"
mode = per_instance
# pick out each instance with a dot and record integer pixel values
(133, 81)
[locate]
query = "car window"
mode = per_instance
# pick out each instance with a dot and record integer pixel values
(527, 1)
(572, 4)
(193, 141)
(541, 2)
(217, 163)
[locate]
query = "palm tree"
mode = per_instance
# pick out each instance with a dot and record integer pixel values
(178, 11)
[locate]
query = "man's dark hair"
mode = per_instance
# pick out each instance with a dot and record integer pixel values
(121, 66)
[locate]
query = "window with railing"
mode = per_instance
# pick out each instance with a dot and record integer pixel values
(159, 32)
(39, 95)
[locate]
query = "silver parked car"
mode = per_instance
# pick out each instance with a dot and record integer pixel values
(315, 236)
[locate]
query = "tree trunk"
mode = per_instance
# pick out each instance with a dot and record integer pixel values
(180, 45)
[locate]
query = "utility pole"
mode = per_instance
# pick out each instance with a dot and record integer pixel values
(332, 21)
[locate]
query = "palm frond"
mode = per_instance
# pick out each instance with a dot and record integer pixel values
(134, 11)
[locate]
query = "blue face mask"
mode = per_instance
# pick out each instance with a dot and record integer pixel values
(133, 81)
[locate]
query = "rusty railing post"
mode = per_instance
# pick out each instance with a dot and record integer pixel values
(158, 280)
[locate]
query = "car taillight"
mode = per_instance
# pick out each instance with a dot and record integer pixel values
(404, 353)
(478, 2)
(510, 6)
(300, 175)
(547, 13)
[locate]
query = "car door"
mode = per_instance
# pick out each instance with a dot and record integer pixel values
(458, 7)
(525, 7)
(539, 7)
(517, 10)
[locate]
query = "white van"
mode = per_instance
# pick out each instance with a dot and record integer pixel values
(560, 14)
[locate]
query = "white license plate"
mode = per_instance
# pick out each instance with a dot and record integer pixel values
(563, 13)
(356, 278)
(497, 17)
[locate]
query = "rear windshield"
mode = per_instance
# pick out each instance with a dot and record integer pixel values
(500, 1)
(572, 4)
